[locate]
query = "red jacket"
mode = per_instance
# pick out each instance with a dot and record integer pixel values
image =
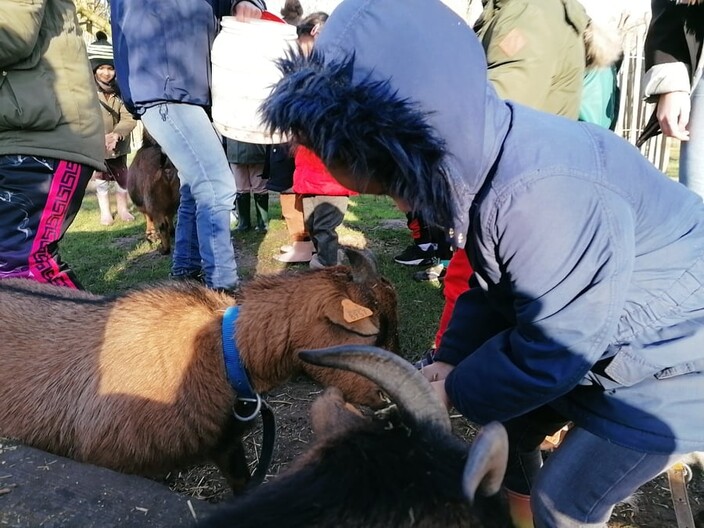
(311, 176)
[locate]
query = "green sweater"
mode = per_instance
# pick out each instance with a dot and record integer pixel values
(48, 103)
(535, 52)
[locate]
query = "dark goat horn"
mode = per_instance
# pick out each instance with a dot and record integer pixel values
(363, 264)
(406, 386)
(486, 462)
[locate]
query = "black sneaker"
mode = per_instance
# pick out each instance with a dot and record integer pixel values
(415, 256)
(197, 276)
(428, 358)
(433, 273)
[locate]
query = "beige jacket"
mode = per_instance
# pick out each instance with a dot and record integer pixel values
(48, 104)
(116, 119)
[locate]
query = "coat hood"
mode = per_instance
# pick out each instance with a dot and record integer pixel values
(603, 45)
(396, 91)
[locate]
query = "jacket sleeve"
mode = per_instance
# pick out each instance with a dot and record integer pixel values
(126, 123)
(567, 270)
(667, 59)
(473, 322)
(19, 38)
(520, 56)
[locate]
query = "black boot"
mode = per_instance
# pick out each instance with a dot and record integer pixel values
(242, 204)
(261, 202)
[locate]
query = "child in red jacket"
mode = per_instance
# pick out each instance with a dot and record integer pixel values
(324, 206)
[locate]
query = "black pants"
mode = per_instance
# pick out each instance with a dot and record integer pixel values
(525, 434)
(322, 215)
(39, 199)
(423, 233)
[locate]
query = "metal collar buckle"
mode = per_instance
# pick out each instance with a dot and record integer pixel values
(257, 400)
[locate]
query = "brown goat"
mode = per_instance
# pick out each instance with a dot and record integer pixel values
(153, 186)
(402, 468)
(137, 382)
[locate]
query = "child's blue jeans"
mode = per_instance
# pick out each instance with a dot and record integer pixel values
(692, 151)
(580, 483)
(203, 240)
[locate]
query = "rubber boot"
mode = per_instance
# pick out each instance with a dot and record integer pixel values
(301, 251)
(123, 206)
(242, 204)
(104, 204)
(261, 203)
(519, 509)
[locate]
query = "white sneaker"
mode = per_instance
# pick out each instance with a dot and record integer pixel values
(315, 263)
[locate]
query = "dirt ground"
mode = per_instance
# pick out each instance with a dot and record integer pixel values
(651, 507)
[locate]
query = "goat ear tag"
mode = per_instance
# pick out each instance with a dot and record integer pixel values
(351, 311)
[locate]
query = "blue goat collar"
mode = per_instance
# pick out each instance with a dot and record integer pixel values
(247, 399)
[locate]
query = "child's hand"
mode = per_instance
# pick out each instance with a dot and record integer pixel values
(673, 114)
(244, 11)
(436, 371)
(439, 387)
(111, 140)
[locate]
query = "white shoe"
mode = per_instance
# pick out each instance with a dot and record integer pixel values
(315, 263)
(286, 248)
(300, 252)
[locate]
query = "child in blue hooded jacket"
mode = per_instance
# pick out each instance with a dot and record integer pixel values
(588, 262)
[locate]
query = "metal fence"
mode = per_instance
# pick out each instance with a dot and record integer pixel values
(634, 112)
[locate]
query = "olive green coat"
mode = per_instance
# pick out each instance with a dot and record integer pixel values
(535, 52)
(48, 103)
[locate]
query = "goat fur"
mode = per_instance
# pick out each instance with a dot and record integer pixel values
(362, 473)
(137, 382)
(153, 186)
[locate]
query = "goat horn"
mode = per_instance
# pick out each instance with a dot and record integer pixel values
(406, 386)
(363, 264)
(486, 462)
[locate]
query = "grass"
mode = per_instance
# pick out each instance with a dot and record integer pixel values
(114, 259)
(673, 167)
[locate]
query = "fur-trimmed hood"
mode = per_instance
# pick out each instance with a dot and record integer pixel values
(603, 45)
(400, 99)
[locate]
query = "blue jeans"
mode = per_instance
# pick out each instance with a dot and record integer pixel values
(203, 240)
(580, 483)
(692, 151)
